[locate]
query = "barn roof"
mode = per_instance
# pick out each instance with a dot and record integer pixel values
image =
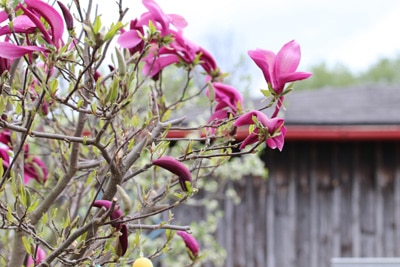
(362, 105)
(369, 112)
(361, 113)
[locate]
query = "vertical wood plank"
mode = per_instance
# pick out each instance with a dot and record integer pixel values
(314, 244)
(336, 199)
(355, 205)
(303, 236)
(270, 233)
(379, 244)
(397, 200)
(292, 196)
(228, 229)
(260, 227)
(249, 222)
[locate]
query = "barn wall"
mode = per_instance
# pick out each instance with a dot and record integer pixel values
(322, 200)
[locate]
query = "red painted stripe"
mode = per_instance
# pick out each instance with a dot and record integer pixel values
(324, 133)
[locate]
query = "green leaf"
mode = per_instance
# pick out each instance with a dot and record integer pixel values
(211, 92)
(121, 62)
(266, 92)
(27, 245)
(53, 86)
(1, 167)
(113, 30)
(67, 221)
(97, 25)
(178, 195)
(2, 104)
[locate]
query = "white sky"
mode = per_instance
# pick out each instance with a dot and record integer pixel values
(353, 32)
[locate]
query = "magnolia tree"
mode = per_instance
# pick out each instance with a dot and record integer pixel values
(88, 118)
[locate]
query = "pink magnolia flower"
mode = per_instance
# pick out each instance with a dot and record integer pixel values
(5, 157)
(191, 244)
(34, 168)
(121, 227)
(228, 101)
(34, 12)
(176, 167)
(46, 11)
(156, 15)
(226, 96)
(180, 50)
(271, 130)
(131, 39)
(39, 257)
(161, 20)
(281, 68)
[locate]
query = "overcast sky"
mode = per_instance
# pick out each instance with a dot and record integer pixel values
(353, 32)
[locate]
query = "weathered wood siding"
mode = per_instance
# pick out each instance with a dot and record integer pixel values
(322, 200)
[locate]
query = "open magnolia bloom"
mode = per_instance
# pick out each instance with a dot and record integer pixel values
(281, 68)
(272, 130)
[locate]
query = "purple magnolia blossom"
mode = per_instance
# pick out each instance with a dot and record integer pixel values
(226, 96)
(121, 227)
(46, 11)
(131, 39)
(39, 257)
(5, 64)
(29, 21)
(161, 20)
(179, 50)
(34, 168)
(5, 157)
(273, 129)
(176, 167)
(228, 99)
(191, 244)
(281, 68)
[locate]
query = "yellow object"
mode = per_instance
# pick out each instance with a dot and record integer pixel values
(142, 262)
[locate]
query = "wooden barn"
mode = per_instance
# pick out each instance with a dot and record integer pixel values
(334, 190)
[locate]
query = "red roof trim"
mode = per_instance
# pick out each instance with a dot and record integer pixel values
(325, 133)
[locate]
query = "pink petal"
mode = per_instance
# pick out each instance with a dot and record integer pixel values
(123, 239)
(12, 51)
(129, 39)
(265, 60)
(294, 76)
(37, 22)
(3, 16)
(247, 118)
(22, 24)
(52, 17)
(176, 167)
(278, 141)
(178, 21)
(190, 242)
(249, 140)
(288, 58)
(117, 213)
(40, 256)
(152, 69)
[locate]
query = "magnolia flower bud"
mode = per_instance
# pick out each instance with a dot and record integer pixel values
(69, 20)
